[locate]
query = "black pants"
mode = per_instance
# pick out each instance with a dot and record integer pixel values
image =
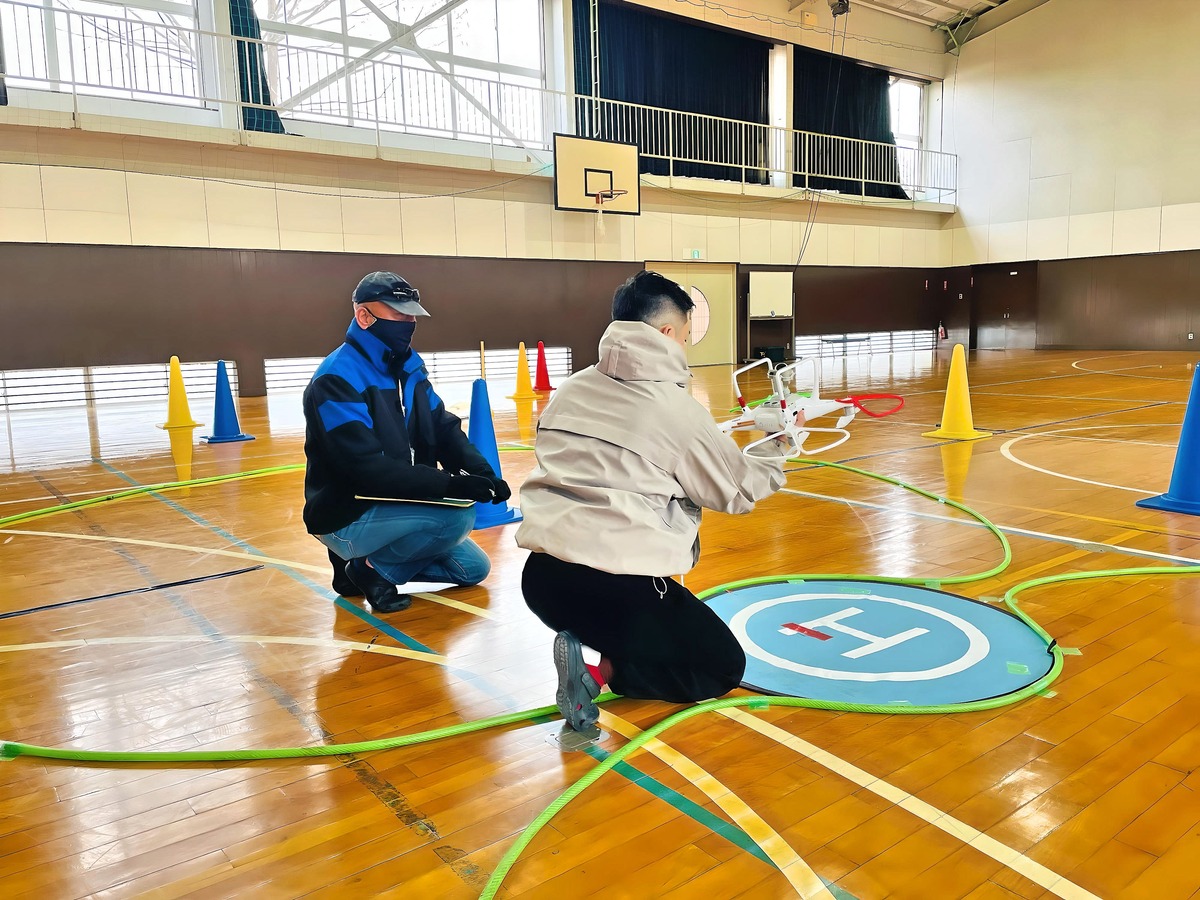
(671, 648)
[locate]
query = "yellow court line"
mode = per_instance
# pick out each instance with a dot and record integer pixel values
(457, 604)
(234, 554)
(1037, 873)
(262, 639)
(794, 869)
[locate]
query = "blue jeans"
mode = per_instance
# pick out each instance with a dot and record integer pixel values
(413, 542)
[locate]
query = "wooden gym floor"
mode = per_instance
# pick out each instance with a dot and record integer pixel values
(1093, 789)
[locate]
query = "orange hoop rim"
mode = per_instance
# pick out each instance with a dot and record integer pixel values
(603, 197)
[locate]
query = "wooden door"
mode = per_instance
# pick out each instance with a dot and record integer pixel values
(712, 287)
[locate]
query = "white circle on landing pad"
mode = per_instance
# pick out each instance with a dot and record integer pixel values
(874, 643)
(977, 643)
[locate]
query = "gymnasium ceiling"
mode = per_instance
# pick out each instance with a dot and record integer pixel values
(933, 13)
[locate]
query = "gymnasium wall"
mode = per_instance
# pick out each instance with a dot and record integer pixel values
(103, 305)
(135, 220)
(1075, 126)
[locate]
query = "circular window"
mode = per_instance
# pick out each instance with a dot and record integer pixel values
(701, 316)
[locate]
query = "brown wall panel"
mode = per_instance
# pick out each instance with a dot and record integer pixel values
(1005, 301)
(1142, 302)
(845, 298)
(957, 300)
(833, 299)
(68, 305)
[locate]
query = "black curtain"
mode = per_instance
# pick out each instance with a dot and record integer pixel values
(670, 63)
(252, 79)
(832, 95)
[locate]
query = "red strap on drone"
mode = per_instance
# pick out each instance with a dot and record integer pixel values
(858, 399)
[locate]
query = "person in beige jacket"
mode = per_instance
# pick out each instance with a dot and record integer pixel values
(626, 459)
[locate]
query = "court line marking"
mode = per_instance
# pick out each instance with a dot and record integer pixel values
(235, 554)
(261, 639)
(798, 873)
(342, 603)
(997, 432)
(1045, 878)
(1059, 397)
(1006, 451)
(1120, 373)
(1008, 529)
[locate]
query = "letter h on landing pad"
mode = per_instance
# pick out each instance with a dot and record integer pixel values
(872, 643)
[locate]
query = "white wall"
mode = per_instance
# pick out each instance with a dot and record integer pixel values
(1076, 127)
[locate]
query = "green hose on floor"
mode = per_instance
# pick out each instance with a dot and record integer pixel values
(9, 749)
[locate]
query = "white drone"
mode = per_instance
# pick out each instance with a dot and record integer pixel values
(786, 412)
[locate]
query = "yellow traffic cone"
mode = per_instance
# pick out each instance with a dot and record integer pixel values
(524, 383)
(178, 414)
(957, 423)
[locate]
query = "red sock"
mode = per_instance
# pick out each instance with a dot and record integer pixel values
(602, 673)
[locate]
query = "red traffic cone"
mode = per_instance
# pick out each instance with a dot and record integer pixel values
(542, 385)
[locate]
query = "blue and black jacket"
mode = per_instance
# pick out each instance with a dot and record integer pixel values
(375, 428)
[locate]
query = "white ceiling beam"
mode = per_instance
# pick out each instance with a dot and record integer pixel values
(892, 11)
(401, 34)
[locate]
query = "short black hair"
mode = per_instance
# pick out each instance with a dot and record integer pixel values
(647, 296)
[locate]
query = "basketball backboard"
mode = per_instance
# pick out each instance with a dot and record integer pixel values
(585, 167)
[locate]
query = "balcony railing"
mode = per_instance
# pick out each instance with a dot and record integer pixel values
(86, 59)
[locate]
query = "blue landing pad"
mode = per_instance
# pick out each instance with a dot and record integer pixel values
(874, 643)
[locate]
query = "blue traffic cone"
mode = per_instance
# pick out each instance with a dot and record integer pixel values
(482, 433)
(225, 418)
(1183, 496)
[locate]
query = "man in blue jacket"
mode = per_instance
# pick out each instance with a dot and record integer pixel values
(375, 428)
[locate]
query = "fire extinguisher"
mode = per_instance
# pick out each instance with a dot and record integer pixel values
(941, 332)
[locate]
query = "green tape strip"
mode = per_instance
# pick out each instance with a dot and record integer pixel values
(1015, 668)
(688, 807)
(1070, 651)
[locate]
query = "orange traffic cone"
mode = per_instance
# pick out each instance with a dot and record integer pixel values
(542, 384)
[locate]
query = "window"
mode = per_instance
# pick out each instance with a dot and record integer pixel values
(473, 71)
(907, 101)
(132, 50)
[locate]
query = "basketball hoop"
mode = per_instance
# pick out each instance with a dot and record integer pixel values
(603, 197)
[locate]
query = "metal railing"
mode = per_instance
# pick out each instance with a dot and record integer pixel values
(378, 100)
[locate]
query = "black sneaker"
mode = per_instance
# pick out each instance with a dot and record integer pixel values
(576, 686)
(380, 593)
(342, 586)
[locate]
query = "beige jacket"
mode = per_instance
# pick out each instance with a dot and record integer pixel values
(626, 458)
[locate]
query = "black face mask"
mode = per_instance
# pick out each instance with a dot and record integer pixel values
(396, 335)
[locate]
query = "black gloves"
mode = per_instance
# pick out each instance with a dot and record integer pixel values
(478, 488)
(471, 487)
(503, 491)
